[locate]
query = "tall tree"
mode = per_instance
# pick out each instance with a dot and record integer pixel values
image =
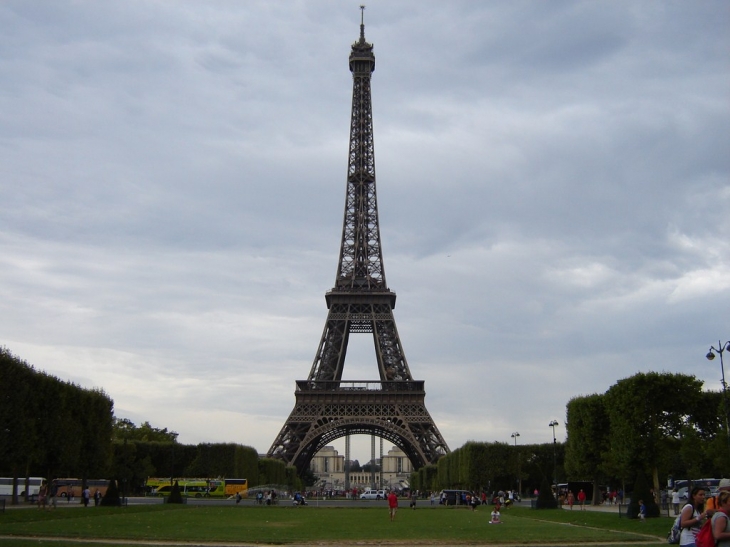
(588, 443)
(647, 411)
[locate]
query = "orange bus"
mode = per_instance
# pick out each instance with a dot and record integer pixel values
(73, 487)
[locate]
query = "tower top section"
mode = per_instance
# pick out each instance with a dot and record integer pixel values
(361, 259)
(362, 59)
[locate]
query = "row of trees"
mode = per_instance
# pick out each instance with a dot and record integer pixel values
(656, 424)
(484, 466)
(51, 427)
(136, 457)
(653, 425)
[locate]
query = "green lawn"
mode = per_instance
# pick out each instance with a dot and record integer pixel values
(290, 525)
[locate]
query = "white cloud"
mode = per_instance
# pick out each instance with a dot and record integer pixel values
(552, 184)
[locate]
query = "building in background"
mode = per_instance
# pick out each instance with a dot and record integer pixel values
(329, 468)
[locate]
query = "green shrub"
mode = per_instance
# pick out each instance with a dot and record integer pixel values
(175, 495)
(111, 497)
(545, 499)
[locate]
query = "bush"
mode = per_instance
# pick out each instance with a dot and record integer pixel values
(111, 497)
(175, 495)
(546, 499)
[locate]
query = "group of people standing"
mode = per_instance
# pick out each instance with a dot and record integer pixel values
(698, 510)
(48, 496)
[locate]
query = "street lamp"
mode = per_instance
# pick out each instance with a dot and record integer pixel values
(710, 356)
(519, 476)
(555, 461)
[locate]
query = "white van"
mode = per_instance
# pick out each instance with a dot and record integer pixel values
(369, 494)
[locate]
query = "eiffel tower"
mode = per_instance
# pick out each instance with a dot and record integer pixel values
(392, 408)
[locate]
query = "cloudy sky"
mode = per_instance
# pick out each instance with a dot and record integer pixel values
(553, 186)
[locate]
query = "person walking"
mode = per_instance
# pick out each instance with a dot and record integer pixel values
(392, 504)
(571, 499)
(582, 499)
(53, 492)
(86, 496)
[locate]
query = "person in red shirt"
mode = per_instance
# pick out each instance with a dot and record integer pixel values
(582, 499)
(392, 504)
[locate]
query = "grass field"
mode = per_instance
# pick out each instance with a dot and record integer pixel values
(332, 526)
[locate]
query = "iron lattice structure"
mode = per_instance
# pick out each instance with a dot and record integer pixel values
(392, 408)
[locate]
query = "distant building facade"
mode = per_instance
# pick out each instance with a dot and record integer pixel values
(329, 468)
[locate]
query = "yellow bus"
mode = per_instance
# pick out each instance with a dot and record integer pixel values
(198, 488)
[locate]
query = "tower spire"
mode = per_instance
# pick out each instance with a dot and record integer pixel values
(362, 23)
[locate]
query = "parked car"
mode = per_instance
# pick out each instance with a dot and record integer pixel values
(369, 494)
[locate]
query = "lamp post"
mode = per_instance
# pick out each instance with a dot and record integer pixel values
(710, 356)
(519, 477)
(555, 460)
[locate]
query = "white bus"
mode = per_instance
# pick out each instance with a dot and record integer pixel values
(34, 485)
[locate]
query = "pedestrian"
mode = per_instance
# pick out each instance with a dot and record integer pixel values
(42, 493)
(571, 499)
(721, 520)
(392, 504)
(642, 511)
(495, 516)
(693, 515)
(238, 497)
(414, 497)
(582, 499)
(675, 501)
(97, 497)
(86, 496)
(53, 492)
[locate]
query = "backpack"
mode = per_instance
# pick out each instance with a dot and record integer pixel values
(674, 533)
(704, 537)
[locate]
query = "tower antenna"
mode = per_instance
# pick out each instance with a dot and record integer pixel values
(362, 22)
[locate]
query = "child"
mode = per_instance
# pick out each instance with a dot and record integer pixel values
(642, 511)
(495, 517)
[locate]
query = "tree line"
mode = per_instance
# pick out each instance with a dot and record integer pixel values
(52, 428)
(651, 425)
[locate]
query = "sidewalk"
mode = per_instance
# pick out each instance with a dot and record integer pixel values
(615, 508)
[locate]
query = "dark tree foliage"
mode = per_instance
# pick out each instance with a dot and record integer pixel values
(425, 479)
(125, 429)
(587, 447)
(49, 427)
(111, 497)
(545, 498)
(646, 412)
(175, 495)
(272, 471)
(308, 477)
